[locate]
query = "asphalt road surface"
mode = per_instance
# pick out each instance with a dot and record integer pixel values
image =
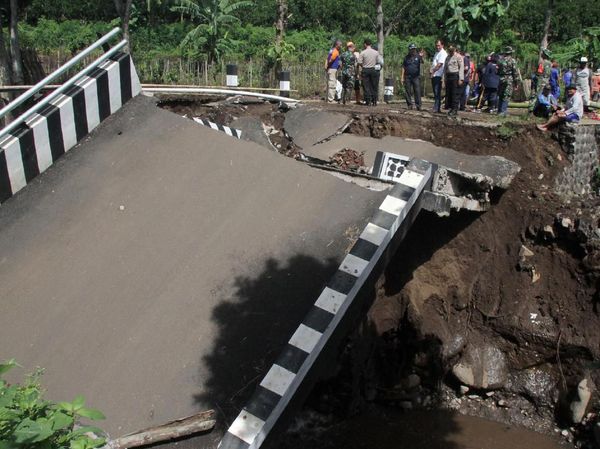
(159, 267)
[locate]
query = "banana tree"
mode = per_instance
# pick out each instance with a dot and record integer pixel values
(214, 19)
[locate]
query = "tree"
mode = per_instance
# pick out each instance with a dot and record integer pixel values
(15, 47)
(464, 19)
(547, 21)
(215, 17)
(124, 10)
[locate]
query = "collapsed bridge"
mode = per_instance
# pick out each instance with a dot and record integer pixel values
(161, 267)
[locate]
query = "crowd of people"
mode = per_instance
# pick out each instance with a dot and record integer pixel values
(455, 80)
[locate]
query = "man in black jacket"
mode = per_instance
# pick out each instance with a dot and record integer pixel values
(411, 77)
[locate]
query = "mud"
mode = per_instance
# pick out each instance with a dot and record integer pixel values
(460, 289)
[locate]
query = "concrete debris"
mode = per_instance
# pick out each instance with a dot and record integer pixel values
(482, 367)
(349, 160)
(253, 130)
(579, 406)
(525, 252)
(548, 233)
(308, 126)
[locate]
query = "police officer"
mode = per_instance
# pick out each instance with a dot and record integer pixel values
(508, 73)
(411, 77)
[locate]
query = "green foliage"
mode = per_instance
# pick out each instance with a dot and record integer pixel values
(215, 17)
(470, 18)
(27, 421)
(586, 45)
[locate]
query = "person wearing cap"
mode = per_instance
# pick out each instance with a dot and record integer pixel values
(583, 81)
(454, 68)
(411, 77)
(332, 65)
(508, 73)
(349, 61)
(367, 60)
(546, 103)
(572, 113)
(437, 72)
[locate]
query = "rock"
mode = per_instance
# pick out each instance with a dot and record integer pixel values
(566, 223)
(121, 207)
(464, 390)
(538, 384)
(535, 276)
(502, 403)
(413, 381)
(541, 176)
(406, 405)
(454, 346)
(525, 252)
(482, 367)
(578, 406)
(565, 433)
(548, 233)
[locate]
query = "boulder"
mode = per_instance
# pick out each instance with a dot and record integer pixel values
(538, 384)
(483, 367)
(581, 402)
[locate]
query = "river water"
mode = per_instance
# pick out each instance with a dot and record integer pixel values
(424, 430)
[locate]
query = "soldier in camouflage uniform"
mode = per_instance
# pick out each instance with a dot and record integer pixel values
(543, 76)
(508, 73)
(349, 69)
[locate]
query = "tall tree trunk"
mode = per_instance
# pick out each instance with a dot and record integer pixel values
(547, 21)
(15, 48)
(280, 26)
(124, 10)
(380, 41)
(5, 73)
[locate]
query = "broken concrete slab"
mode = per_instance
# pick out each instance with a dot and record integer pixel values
(309, 126)
(500, 170)
(253, 130)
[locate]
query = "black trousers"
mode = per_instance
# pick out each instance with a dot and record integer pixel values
(412, 88)
(453, 91)
(370, 78)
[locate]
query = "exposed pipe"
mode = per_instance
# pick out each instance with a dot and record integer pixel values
(37, 87)
(17, 122)
(232, 92)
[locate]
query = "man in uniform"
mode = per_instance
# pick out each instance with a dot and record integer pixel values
(411, 77)
(508, 73)
(349, 68)
(543, 77)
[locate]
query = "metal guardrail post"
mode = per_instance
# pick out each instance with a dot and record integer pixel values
(19, 121)
(37, 87)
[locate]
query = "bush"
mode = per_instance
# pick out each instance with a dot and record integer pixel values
(27, 421)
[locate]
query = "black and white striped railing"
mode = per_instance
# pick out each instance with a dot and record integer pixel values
(46, 135)
(232, 132)
(339, 305)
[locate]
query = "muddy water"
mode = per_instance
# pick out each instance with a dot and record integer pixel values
(426, 430)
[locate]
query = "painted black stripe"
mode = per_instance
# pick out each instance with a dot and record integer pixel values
(377, 166)
(232, 69)
(291, 358)
(101, 77)
(384, 219)
(57, 145)
(341, 282)
(124, 61)
(220, 127)
(77, 95)
(28, 155)
(402, 192)
(364, 249)
(236, 132)
(262, 403)
(230, 441)
(318, 319)
(5, 190)
(284, 76)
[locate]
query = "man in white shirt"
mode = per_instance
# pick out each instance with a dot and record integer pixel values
(572, 113)
(437, 72)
